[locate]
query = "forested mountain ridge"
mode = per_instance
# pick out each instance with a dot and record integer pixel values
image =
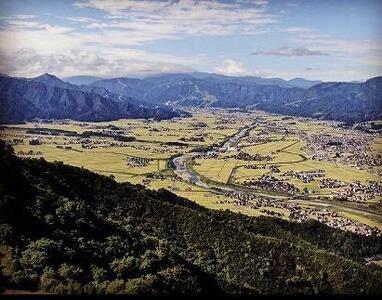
(348, 102)
(342, 101)
(47, 96)
(73, 231)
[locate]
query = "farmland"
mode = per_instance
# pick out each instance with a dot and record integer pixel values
(282, 166)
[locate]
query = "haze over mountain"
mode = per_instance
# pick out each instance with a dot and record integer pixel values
(303, 83)
(47, 96)
(82, 79)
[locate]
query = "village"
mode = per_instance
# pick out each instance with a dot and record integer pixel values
(275, 156)
(297, 213)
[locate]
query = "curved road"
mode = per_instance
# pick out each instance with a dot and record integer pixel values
(183, 170)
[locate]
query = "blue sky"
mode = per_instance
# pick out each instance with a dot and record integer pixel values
(331, 40)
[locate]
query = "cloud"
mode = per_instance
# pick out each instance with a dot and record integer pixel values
(289, 51)
(111, 40)
(231, 67)
(171, 18)
(80, 19)
(29, 63)
(336, 46)
(312, 69)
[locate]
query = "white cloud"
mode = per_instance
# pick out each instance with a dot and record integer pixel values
(80, 19)
(289, 51)
(109, 41)
(184, 16)
(111, 44)
(29, 63)
(340, 47)
(231, 67)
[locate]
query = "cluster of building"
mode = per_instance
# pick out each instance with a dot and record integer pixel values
(196, 138)
(298, 213)
(259, 139)
(30, 152)
(268, 182)
(207, 155)
(160, 150)
(329, 183)
(273, 168)
(350, 148)
(332, 219)
(358, 192)
(222, 127)
(35, 142)
(92, 144)
(15, 142)
(138, 162)
(305, 176)
(241, 155)
(64, 147)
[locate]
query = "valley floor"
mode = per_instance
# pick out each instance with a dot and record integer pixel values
(252, 163)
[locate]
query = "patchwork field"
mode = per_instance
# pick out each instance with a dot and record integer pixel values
(277, 152)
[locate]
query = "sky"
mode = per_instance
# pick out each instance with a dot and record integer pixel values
(329, 40)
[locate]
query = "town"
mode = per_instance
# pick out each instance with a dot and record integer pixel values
(274, 166)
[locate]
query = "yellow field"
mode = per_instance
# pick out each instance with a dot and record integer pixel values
(217, 170)
(268, 148)
(109, 157)
(104, 162)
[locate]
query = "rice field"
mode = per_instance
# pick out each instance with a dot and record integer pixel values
(155, 143)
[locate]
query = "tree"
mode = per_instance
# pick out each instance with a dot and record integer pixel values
(48, 280)
(39, 254)
(125, 267)
(116, 286)
(70, 272)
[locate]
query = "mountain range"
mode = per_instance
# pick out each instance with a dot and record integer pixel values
(342, 101)
(48, 97)
(164, 96)
(66, 230)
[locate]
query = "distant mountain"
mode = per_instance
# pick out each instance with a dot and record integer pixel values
(51, 80)
(349, 102)
(79, 80)
(47, 96)
(123, 97)
(196, 89)
(303, 83)
(70, 231)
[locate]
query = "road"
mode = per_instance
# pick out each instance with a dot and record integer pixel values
(181, 162)
(183, 170)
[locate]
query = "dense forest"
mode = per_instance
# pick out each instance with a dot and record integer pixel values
(65, 229)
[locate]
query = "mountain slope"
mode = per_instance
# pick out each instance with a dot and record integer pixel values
(47, 96)
(349, 102)
(69, 230)
(303, 83)
(190, 89)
